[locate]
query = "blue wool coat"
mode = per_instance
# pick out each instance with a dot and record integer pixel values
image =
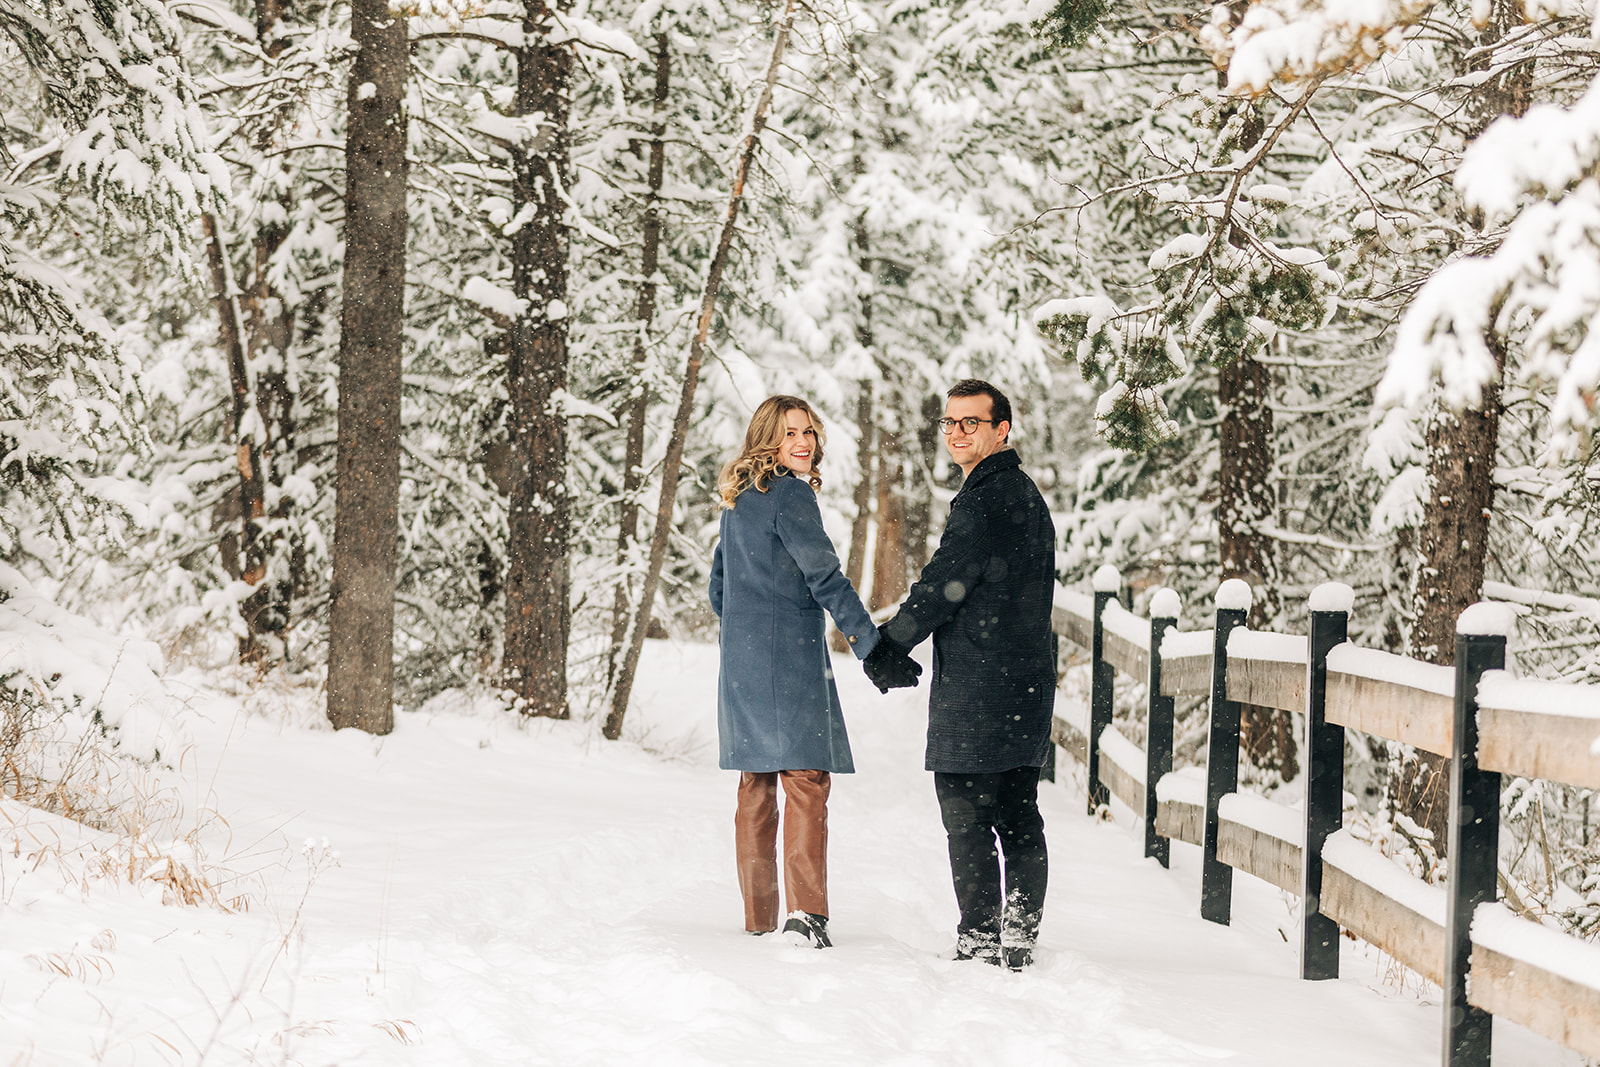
(773, 572)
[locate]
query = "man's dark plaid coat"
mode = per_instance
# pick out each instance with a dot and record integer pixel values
(985, 596)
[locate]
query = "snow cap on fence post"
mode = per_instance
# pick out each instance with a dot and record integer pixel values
(1333, 596)
(1107, 579)
(1487, 619)
(1234, 595)
(1165, 604)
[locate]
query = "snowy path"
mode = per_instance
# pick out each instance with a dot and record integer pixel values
(509, 896)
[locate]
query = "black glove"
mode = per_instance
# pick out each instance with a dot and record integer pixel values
(890, 666)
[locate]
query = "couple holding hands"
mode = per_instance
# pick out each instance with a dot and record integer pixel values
(984, 597)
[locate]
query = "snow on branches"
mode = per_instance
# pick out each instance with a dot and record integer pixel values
(1218, 300)
(1541, 282)
(1280, 41)
(134, 135)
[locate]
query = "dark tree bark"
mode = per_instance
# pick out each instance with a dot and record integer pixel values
(242, 554)
(866, 434)
(534, 664)
(622, 690)
(919, 497)
(367, 472)
(256, 326)
(856, 559)
(645, 312)
(1460, 448)
(1453, 543)
(889, 581)
(1245, 504)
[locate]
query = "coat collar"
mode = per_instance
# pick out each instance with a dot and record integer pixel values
(1004, 459)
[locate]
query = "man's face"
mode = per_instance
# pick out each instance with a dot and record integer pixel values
(970, 449)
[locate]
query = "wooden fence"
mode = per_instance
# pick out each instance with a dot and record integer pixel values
(1487, 961)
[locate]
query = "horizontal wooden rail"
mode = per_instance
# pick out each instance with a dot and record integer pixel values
(1127, 641)
(1072, 616)
(1122, 769)
(1069, 737)
(1186, 663)
(1267, 670)
(1181, 806)
(1535, 976)
(1537, 729)
(1391, 696)
(1260, 838)
(1372, 897)
(1267, 683)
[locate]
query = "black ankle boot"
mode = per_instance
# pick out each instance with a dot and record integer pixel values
(813, 928)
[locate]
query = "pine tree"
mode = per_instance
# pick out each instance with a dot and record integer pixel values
(367, 483)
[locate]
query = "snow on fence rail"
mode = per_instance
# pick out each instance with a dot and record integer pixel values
(1478, 715)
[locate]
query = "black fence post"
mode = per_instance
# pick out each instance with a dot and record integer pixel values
(1222, 754)
(1330, 626)
(1107, 583)
(1474, 834)
(1158, 735)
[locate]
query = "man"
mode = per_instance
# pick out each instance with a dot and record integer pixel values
(985, 596)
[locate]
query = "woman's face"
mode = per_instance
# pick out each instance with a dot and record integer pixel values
(799, 442)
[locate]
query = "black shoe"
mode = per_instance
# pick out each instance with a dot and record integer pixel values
(808, 929)
(1018, 957)
(982, 947)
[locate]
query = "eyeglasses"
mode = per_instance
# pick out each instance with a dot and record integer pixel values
(968, 425)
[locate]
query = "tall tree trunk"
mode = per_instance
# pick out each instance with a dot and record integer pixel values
(367, 471)
(1452, 543)
(256, 327)
(919, 496)
(1460, 447)
(889, 582)
(866, 437)
(1245, 500)
(645, 313)
(866, 433)
(538, 582)
(270, 329)
(622, 691)
(856, 559)
(242, 553)
(1245, 504)
(279, 572)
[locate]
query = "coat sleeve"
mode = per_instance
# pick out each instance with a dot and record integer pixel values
(799, 525)
(954, 571)
(714, 590)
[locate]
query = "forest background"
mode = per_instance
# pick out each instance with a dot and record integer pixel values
(394, 351)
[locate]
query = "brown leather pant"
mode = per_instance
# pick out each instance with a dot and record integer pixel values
(805, 844)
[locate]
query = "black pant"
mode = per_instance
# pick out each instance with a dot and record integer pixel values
(976, 808)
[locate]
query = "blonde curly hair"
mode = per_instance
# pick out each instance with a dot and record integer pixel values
(757, 462)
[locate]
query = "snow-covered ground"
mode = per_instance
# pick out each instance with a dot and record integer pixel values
(473, 890)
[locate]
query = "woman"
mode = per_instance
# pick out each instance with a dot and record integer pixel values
(778, 716)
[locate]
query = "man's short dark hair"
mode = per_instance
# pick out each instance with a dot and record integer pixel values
(1000, 407)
